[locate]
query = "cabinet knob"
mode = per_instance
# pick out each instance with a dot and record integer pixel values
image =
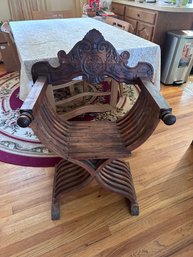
(138, 15)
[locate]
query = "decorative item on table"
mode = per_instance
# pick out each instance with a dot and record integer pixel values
(85, 8)
(177, 3)
(105, 5)
(180, 3)
(93, 8)
(107, 13)
(94, 4)
(105, 8)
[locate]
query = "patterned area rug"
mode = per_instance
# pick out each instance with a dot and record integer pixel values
(20, 145)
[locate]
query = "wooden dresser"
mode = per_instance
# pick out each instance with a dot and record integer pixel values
(151, 21)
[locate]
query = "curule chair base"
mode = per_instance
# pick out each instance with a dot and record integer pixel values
(113, 175)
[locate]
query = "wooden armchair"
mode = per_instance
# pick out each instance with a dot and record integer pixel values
(93, 149)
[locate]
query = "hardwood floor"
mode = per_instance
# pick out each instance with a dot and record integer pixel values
(96, 223)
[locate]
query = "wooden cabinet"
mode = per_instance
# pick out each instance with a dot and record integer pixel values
(145, 30)
(142, 21)
(153, 24)
(133, 27)
(140, 14)
(119, 10)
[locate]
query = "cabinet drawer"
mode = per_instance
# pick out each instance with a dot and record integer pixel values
(133, 26)
(118, 9)
(140, 14)
(145, 30)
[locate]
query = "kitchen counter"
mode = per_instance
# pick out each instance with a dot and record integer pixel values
(158, 6)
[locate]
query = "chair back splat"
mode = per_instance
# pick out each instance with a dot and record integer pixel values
(93, 149)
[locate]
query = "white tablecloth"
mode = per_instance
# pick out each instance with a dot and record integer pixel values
(38, 40)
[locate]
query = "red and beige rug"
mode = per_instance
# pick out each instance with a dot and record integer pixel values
(20, 146)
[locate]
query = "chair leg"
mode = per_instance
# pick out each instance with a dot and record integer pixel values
(134, 209)
(55, 211)
(115, 175)
(68, 176)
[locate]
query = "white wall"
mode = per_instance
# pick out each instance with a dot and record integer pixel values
(56, 5)
(4, 10)
(53, 5)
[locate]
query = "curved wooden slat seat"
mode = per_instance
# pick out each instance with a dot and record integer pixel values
(92, 149)
(77, 140)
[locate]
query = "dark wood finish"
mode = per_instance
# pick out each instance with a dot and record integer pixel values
(70, 176)
(94, 147)
(94, 59)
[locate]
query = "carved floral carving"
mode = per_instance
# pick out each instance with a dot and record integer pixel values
(94, 58)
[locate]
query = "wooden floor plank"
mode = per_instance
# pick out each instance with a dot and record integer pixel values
(184, 252)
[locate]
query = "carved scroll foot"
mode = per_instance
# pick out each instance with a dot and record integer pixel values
(134, 209)
(115, 175)
(55, 210)
(68, 176)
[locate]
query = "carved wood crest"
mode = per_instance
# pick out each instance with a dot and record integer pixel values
(93, 58)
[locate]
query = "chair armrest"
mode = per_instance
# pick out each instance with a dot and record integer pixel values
(31, 102)
(165, 110)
